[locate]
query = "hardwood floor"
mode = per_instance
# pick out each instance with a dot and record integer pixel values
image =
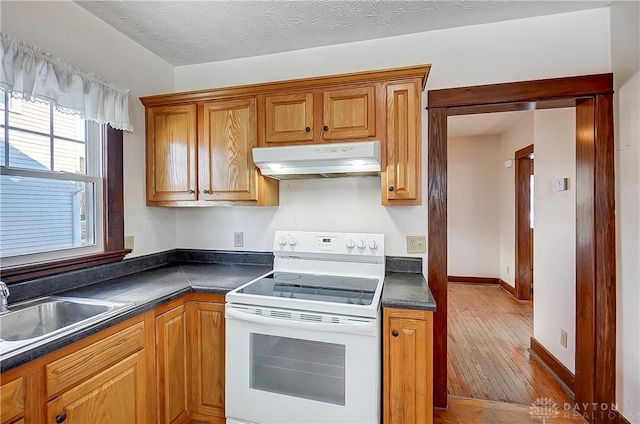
(488, 342)
(474, 411)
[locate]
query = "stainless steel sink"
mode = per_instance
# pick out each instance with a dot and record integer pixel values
(39, 320)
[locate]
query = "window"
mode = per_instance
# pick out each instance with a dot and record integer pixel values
(51, 192)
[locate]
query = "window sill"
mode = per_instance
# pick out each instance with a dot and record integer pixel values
(30, 271)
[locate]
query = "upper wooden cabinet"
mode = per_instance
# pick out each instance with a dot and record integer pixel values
(380, 105)
(318, 116)
(223, 134)
(288, 117)
(401, 177)
(349, 113)
(171, 153)
(226, 170)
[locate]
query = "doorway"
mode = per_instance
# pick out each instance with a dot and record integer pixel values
(524, 214)
(592, 95)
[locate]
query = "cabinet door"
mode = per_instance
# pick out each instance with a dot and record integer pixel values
(288, 118)
(349, 113)
(402, 173)
(171, 154)
(207, 346)
(408, 359)
(119, 394)
(172, 353)
(12, 400)
(228, 133)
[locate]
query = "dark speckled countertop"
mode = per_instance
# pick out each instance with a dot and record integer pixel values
(148, 289)
(407, 291)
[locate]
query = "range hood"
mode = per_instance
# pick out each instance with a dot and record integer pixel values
(319, 160)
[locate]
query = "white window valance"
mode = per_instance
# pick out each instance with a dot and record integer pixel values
(29, 73)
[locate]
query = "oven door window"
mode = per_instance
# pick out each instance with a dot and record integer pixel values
(301, 368)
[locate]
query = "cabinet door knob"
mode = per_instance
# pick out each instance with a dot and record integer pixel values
(191, 191)
(60, 418)
(394, 333)
(391, 188)
(308, 129)
(326, 128)
(205, 191)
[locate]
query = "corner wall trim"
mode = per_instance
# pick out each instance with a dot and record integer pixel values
(559, 371)
(507, 287)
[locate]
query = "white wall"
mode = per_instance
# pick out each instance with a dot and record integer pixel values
(65, 30)
(551, 46)
(515, 138)
(304, 205)
(554, 243)
(625, 59)
(473, 196)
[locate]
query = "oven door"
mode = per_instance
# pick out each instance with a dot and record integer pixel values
(301, 367)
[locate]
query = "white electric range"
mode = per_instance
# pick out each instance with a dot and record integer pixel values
(303, 341)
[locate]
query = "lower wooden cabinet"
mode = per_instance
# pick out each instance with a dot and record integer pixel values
(206, 328)
(12, 401)
(172, 368)
(105, 378)
(407, 366)
(164, 366)
(118, 394)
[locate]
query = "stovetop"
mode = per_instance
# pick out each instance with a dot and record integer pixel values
(321, 288)
(325, 272)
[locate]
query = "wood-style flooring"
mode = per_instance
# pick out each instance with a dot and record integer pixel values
(474, 411)
(488, 341)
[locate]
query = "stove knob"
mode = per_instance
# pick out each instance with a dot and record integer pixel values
(282, 241)
(373, 245)
(361, 244)
(292, 241)
(350, 244)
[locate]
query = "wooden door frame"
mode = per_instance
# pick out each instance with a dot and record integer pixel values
(523, 240)
(592, 95)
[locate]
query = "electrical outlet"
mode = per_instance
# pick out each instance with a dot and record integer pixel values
(508, 270)
(563, 338)
(416, 244)
(128, 242)
(238, 239)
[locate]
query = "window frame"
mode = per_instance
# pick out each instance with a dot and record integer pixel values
(113, 220)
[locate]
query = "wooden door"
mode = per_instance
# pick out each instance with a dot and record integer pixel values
(172, 353)
(523, 231)
(228, 133)
(206, 325)
(407, 366)
(119, 394)
(171, 154)
(288, 118)
(349, 113)
(402, 173)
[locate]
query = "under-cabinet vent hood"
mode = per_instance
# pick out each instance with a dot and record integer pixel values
(319, 160)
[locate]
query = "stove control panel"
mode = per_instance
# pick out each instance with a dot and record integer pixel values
(329, 243)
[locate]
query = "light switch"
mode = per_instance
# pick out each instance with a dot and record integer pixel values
(560, 184)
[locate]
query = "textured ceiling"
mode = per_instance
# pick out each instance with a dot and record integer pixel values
(483, 123)
(189, 32)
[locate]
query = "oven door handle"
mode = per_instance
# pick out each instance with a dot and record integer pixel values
(360, 328)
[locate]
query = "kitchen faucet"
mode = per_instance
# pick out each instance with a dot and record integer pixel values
(4, 296)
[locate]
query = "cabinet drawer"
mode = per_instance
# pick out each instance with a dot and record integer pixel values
(77, 366)
(12, 403)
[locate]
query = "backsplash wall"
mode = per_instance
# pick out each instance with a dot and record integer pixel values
(343, 204)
